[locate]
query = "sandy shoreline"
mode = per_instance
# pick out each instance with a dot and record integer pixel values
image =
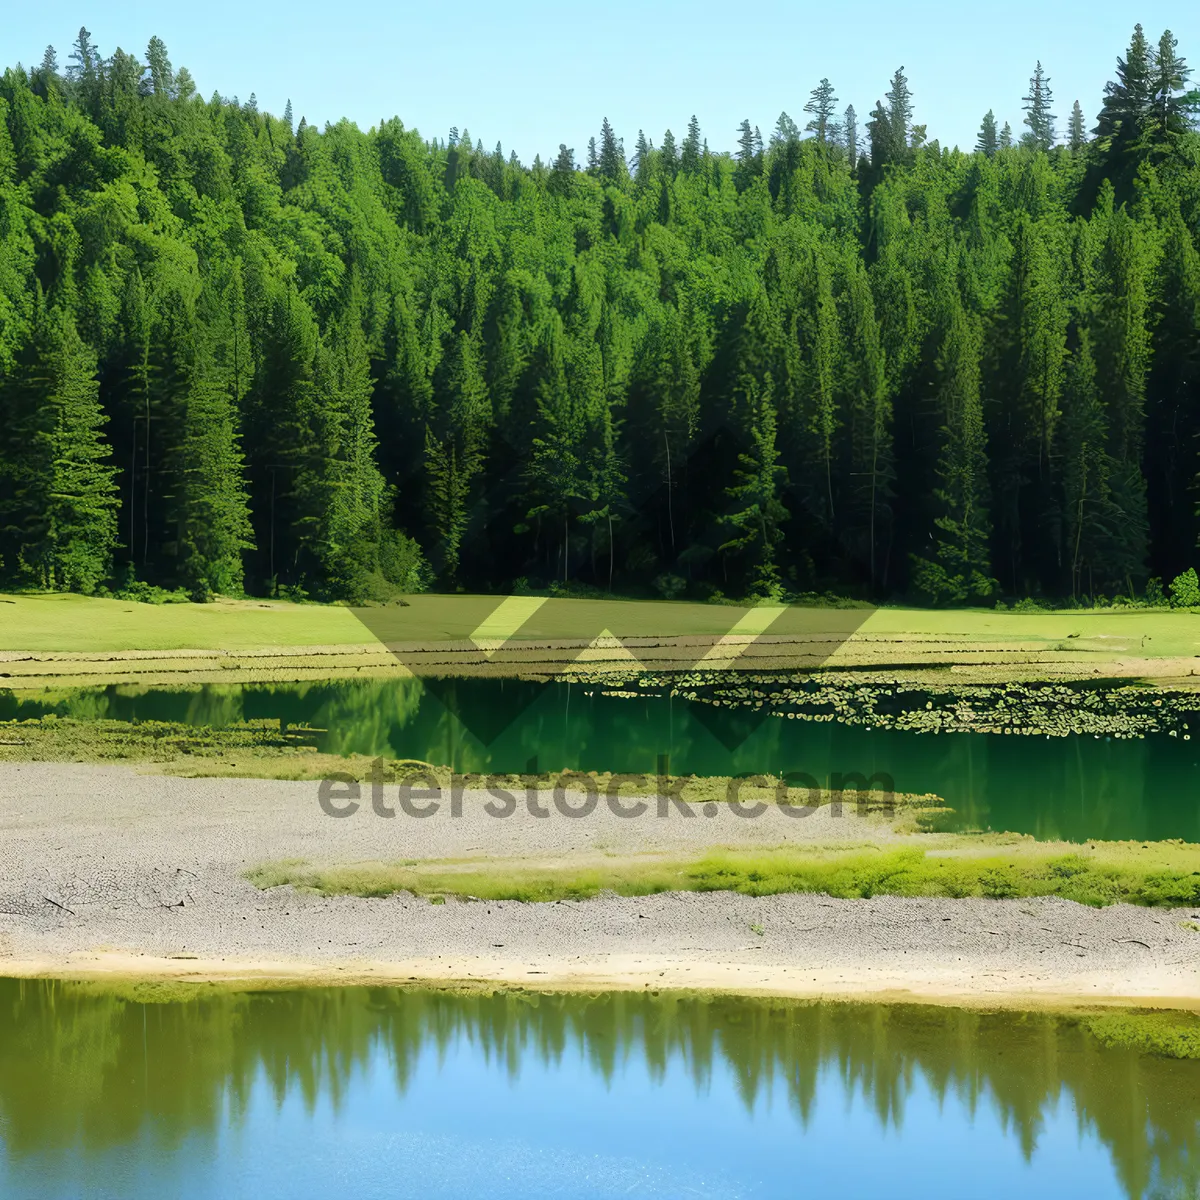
(108, 873)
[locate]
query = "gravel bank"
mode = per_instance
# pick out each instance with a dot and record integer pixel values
(104, 871)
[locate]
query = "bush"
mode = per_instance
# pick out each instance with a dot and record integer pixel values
(669, 586)
(1154, 593)
(402, 563)
(1185, 590)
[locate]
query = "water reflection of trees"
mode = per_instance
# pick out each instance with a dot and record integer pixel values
(84, 1068)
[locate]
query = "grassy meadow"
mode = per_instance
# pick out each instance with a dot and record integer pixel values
(72, 624)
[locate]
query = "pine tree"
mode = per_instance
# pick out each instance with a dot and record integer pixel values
(1077, 136)
(562, 174)
(821, 103)
(58, 501)
(899, 111)
(871, 466)
(850, 135)
(1090, 517)
(1038, 116)
(988, 142)
(162, 77)
(1169, 78)
(211, 512)
(612, 157)
(959, 570)
(879, 133)
(747, 159)
(668, 156)
(689, 155)
(353, 519)
(455, 440)
(1122, 344)
(758, 513)
(1006, 137)
(1128, 100)
(641, 160)
(556, 476)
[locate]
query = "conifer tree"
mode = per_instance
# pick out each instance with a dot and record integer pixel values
(689, 155)
(1038, 116)
(1006, 137)
(899, 111)
(641, 160)
(562, 174)
(1122, 344)
(1077, 135)
(988, 141)
(162, 77)
(757, 512)
(612, 157)
(669, 156)
(353, 518)
(211, 512)
(1169, 77)
(1090, 517)
(1128, 99)
(871, 467)
(821, 104)
(959, 569)
(850, 135)
(455, 440)
(747, 157)
(58, 501)
(879, 133)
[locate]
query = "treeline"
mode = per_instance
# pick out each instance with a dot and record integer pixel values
(237, 352)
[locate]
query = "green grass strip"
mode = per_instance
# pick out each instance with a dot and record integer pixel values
(1163, 874)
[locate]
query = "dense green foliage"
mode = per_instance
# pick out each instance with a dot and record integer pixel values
(238, 353)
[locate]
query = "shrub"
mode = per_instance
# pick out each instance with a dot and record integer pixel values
(1185, 590)
(669, 586)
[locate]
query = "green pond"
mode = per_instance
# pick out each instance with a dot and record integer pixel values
(386, 1092)
(1078, 787)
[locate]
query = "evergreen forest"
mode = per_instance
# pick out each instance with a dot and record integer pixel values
(241, 354)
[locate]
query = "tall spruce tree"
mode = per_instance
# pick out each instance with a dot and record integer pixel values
(958, 568)
(850, 135)
(988, 141)
(821, 104)
(58, 498)
(756, 511)
(1076, 133)
(1128, 99)
(1038, 116)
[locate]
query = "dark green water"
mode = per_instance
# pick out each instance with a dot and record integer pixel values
(1077, 787)
(383, 1092)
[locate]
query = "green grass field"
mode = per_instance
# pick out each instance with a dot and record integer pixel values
(1160, 874)
(76, 624)
(71, 624)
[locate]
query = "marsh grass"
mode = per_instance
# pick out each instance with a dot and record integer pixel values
(1165, 874)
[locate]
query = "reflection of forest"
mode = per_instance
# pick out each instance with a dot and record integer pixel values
(85, 1068)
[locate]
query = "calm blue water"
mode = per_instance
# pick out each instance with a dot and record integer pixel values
(377, 1092)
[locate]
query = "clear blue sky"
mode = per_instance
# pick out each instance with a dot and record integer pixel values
(532, 73)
